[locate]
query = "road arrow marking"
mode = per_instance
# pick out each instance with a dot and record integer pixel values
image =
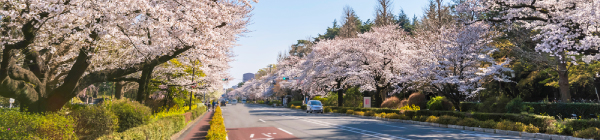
(251, 135)
(261, 120)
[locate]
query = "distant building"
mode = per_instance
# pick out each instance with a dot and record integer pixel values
(248, 76)
(234, 87)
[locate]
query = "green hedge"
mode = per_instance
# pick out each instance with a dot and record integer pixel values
(553, 109)
(22, 125)
(164, 128)
(93, 122)
(130, 114)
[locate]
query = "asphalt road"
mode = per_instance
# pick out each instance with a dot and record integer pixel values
(260, 122)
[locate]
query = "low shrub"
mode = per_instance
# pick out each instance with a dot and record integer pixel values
(515, 106)
(417, 99)
(130, 114)
(559, 128)
(581, 124)
(359, 113)
(532, 129)
(448, 120)
(349, 111)
(23, 125)
(439, 103)
(327, 110)
(470, 122)
(420, 118)
(494, 105)
(505, 125)
(431, 119)
(217, 129)
(487, 124)
(380, 115)
(369, 113)
(392, 116)
(93, 122)
(295, 103)
(403, 103)
(589, 133)
(163, 128)
(392, 102)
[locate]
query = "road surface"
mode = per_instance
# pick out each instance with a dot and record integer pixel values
(261, 122)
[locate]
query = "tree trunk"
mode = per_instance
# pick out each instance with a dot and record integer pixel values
(119, 89)
(143, 83)
(563, 82)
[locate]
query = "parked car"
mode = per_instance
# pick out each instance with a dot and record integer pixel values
(233, 102)
(314, 106)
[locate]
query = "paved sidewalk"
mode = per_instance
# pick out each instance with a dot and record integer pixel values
(199, 130)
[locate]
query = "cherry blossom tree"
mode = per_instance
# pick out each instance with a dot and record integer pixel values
(54, 49)
(566, 27)
(464, 62)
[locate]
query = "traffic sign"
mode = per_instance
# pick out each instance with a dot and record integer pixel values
(11, 100)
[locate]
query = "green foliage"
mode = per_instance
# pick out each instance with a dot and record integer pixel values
(130, 114)
(432, 119)
(439, 103)
(470, 122)
(515, 106)
(295, 103)
(487, 124)
(581, 124)
(532, 129)
(494, 105)
(323, 100)
(353, 98)
(93, 122)
(217, 129)
(369, 113)
(359, 113)
(23, 125)
(349, 111)
(411, 108)
(163, 128)
(445, 119)
(552, 109)
(590, 133)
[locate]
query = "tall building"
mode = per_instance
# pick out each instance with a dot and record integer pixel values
(248, 76)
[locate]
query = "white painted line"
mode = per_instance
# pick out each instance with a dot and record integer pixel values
(285, 131)
(393, 126)
(261, 120)
(267, 135)
(351, 129)
(251, 135)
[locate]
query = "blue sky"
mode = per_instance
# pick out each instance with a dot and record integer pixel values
(277, 24)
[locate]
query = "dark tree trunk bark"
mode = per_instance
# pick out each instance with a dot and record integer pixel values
(563, 82)
(143, 83)
(119, 89)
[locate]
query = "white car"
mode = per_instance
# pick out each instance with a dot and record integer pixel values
(314, 106)
(233, 102)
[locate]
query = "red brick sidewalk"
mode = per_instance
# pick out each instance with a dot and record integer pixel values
(199, 130)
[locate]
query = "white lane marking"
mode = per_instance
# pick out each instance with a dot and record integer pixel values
(393, 126)
(285, 131)
(261, 120)
(251, 135)
(267, 135)
(351, 129)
